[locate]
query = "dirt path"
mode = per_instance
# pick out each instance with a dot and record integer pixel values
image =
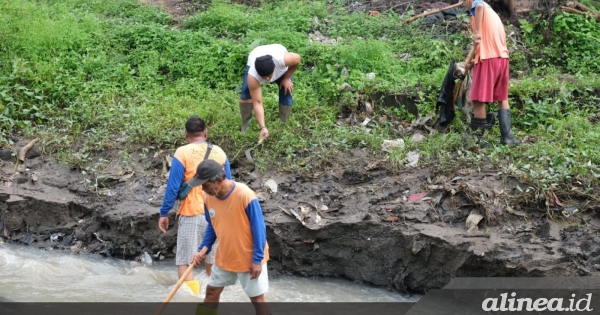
(178, 9)
(357, 221)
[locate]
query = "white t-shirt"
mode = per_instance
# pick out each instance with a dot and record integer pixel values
(275, 50)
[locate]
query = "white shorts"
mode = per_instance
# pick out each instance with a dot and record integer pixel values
(221, 278)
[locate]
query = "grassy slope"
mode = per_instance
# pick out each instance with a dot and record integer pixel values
(113, 70)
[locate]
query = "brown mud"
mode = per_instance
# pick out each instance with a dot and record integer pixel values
(359, 220)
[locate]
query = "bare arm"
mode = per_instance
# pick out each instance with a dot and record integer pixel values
(255, 93)
(476, 36)
(292, 61)
(478, 22)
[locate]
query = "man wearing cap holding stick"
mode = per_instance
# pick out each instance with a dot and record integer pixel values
(234, 218)
(190, 216)
(272, 64)
(490, 72)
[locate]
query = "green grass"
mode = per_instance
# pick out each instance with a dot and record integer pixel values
(109, 73)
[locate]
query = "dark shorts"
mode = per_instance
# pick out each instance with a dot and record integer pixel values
(284, 98)
(490, 80)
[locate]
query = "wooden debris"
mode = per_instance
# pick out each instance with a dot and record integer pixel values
(416, 17)
(585, 8)
(474, 235)
(524, 11)
(578, 8)
(571, 10)
(286, 212)
(26, 148)
(392, 219)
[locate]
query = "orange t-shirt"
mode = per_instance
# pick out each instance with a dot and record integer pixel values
(493, 36)
(230, 221)
(190, 156)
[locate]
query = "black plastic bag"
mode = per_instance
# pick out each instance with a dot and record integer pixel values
(445, 100)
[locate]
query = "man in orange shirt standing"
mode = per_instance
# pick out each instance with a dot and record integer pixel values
(234, 218)
(191, 221)
(490, 72)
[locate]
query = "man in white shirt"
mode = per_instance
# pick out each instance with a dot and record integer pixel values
(272, 64)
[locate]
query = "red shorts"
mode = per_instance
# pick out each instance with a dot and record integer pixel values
(490, 80)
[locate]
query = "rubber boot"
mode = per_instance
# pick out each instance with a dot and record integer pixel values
(246, 113)
(203, 310)
(506, 134)
(284, 112)
(478, 126)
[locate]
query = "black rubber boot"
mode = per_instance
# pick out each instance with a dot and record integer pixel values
(284, 112)
(478, 126)
(506, 133)
(246, 113)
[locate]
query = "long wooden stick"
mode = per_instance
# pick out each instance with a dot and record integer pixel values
(26, 148)
(179, 283)
(470, 56)
(432, 12)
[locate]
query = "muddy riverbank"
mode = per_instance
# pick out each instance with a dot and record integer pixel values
(358, 220)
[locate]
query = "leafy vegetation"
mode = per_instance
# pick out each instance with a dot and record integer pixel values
(89, 75)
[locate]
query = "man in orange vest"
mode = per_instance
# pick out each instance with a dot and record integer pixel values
(234, 218)
(191, 221)
(490, 72)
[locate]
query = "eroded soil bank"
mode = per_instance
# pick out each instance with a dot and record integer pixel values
(405, 230)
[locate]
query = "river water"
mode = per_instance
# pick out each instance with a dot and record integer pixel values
(28, 274)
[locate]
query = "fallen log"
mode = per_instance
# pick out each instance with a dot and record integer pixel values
(432, 12)
(26, 148)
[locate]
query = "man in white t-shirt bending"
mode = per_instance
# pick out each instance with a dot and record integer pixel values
(268, 63)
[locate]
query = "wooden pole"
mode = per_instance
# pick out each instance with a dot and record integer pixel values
(432, 12)
(470, 56)
(179, 283)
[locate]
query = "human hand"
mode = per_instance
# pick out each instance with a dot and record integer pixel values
(264, 134)
(198, 258)
(468, 65)
(287, 85)
(476, 38)
(163, 224)
(255, 271)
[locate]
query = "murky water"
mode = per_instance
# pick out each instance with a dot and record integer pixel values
(28, 274)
